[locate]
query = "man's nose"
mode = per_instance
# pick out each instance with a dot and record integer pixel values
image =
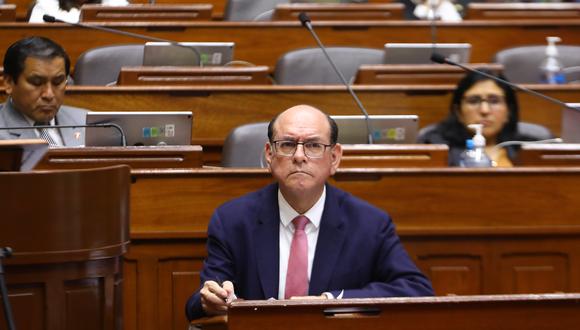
(300, 152)
(48, 91)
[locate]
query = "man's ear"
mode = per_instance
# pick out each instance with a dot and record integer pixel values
(8, 84)
(335, 157)
(269, 154)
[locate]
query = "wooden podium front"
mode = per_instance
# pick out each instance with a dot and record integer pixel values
(68, 230)
(513, 312)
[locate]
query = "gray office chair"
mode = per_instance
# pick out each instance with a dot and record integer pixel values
(310, 66)
(101, 66)
(572, 74)
(244, 146)
(250, 10)
(534, 132)
(521, 64)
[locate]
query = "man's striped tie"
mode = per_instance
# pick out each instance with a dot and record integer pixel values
(45, 135)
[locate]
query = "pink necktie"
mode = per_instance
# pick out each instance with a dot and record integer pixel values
(297, 274)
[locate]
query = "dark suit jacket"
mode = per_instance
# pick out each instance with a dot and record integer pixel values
(357, 250)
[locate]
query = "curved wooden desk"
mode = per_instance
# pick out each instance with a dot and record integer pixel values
(68, 230)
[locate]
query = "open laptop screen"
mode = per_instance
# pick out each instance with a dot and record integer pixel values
(420, 53)
(166, 54)
(141, 128)
(386, 129)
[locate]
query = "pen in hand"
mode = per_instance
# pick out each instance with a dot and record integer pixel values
(231, 296)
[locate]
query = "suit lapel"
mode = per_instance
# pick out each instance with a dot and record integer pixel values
(70, 136)
(15, 119)
(267, 242)
(330, 240)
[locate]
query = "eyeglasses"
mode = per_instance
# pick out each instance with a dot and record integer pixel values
(311, 149)
(475, 101)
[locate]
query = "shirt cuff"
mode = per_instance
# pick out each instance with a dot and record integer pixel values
(329, 295)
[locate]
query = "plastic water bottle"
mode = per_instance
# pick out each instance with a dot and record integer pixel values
(551, 67)
(474, 154)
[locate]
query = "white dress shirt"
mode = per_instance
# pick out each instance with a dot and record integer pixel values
(52, 8)
(287, 214)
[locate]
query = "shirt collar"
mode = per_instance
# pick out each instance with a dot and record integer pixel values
(314, 214)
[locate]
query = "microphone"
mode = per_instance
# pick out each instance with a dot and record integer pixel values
(305, 20)
(52, 19)
(103, 125)
(438, 58)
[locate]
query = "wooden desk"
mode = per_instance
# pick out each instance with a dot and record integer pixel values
(136, 157)
(394, 155)
(260, 42)
(172, 75)
(472, 231)
(416, 74)
(339, 12)
(98, 13)
(216, 14)
(514, 312)
(512, 11)
(549, 155)
(7, 13)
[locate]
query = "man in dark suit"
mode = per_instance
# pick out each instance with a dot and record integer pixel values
(300, 236)
(35, 77)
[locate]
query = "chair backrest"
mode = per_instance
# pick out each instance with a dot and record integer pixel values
(531, 131)
(101, 66)
(522, 64)
(310, 66)
(572, 74)
(244, 146)
(249, 10)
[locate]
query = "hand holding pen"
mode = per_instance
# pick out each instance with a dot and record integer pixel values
(216, 296)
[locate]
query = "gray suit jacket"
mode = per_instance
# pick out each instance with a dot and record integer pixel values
(10, 117)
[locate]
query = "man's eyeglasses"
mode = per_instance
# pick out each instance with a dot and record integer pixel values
(475, 101)
(311, 149)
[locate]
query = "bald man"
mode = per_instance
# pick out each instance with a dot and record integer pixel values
(301, 237)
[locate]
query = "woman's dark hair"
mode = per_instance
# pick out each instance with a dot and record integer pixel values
(455, 132)
(37, 47)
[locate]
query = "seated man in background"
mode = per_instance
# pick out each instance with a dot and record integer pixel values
(480, 100)
(301, 236)
(35, 77)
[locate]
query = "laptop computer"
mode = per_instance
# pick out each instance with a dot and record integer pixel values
(141, 128)
(386, 129)
(571, 123)
(167, 54)
(420, 53)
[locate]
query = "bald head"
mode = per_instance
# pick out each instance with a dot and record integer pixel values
(304, 111)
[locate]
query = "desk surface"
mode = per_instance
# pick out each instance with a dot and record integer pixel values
(514, 312)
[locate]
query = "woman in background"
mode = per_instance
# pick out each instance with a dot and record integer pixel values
(66, 10)
(480, 100)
